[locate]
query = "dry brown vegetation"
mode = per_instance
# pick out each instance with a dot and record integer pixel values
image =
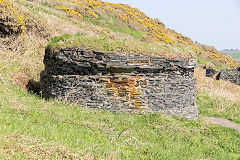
(26, 49)
(123, 16)
(11, 22)
(26, 34)
(217, 98)
(217, 88)
(14, 146)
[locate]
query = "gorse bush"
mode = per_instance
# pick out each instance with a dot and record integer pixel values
(11, 20)
(34, 128)
(154, 30)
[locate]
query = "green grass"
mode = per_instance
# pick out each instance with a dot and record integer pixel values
(34, 128)
(207, 62)
(235, 56)
(46, 4)
(105, 43)
(31, 126)
(218, 107)
(46, 9)
(114, 25)
(97, 22)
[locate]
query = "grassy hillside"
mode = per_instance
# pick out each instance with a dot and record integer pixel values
(115, 16)
(34, 128)
(90, 15)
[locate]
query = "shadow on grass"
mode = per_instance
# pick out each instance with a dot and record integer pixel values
(33, 87)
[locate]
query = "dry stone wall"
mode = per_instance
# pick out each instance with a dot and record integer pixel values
(121, 82)
(231, 75)
(211, 72)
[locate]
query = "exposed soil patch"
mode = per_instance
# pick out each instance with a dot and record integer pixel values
(223, 122)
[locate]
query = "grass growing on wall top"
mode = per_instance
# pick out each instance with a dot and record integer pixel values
(103, 42)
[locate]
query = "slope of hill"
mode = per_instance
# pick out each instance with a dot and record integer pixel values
(153, 30)
(34, 128)
(124, 19)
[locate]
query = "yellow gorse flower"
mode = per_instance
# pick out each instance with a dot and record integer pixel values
(14, 12)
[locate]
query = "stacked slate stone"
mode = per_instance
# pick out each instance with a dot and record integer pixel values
(238, 69)
(121, 82)
(210, 72)
(231, 75)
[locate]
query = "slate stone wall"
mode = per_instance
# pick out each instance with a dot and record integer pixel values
(211, 72)
(120, 82)
(231, 75)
